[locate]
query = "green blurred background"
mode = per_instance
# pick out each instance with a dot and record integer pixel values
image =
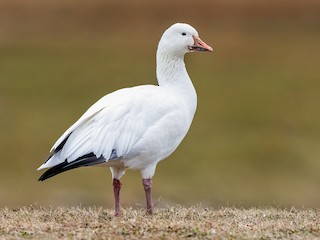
(255, 139)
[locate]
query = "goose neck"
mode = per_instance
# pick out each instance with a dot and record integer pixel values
(170, 69)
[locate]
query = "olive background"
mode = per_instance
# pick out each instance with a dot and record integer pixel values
(255, 139)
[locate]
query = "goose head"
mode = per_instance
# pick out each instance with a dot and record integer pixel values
(180, 39)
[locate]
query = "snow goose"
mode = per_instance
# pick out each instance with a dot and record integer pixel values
(135, 128)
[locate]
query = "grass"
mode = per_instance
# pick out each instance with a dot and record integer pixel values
(168, 223)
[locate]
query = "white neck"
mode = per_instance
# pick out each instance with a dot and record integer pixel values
(170, 68)
(172, 73)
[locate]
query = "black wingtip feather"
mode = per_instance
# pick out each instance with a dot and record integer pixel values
(86, 160)
(59, 147)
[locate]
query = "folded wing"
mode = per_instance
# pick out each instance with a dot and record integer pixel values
(107, 130)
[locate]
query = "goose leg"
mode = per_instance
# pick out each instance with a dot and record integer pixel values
(116, 190)
(147, 184)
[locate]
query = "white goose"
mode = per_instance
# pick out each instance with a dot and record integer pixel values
(135, 127)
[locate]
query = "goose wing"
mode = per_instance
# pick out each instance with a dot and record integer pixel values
(107, 130)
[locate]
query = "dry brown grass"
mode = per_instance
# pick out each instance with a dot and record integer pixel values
(168, 223)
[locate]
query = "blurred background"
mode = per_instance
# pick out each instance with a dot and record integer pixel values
(255, 139)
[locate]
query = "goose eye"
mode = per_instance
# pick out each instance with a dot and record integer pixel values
(183, 34)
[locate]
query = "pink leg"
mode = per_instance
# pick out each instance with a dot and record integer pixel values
(116, 190)
(147, 184)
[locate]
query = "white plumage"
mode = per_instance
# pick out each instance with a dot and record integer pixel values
(135, 127)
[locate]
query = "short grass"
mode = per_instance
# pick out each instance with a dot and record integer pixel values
(168, 223)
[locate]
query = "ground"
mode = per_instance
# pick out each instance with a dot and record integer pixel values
(35, 222)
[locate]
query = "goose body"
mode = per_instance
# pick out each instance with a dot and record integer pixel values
(135, 128)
